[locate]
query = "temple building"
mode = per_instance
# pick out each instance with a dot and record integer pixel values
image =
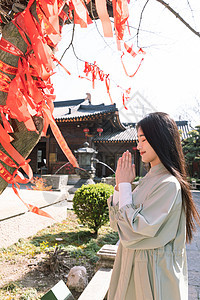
(100, 126)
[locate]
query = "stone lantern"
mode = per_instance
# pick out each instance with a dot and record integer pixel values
(85, 160)
(87, 170)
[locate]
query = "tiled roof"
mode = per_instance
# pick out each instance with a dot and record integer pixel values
(184, 127)
(68, 103)
(79, 108)
(82, 108)
(130, 134)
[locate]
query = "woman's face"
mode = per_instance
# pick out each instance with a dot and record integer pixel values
(146, 151)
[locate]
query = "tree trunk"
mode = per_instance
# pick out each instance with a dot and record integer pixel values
(24, 140)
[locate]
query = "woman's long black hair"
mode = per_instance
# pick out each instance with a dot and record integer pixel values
(162, 134)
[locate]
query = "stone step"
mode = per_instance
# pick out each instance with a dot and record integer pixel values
(98, 286)
(70, 197)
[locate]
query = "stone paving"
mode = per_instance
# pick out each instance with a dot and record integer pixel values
(193, 256)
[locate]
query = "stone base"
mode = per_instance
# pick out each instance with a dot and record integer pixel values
(79, 184)
(58, 182)
(106, 256)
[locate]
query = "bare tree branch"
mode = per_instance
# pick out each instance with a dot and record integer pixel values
(76, 54)
(179, 17)
(70, 44)
(138, 30)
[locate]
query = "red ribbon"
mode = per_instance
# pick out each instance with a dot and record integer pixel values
(48, 17)
(14, 180)
(104, 17)
(7, 68)
(136, 69)
(6, 124)
(97, 74)
(121, 14)
(4, 82)
(125, 97)
(130, 50)
(58, 62)
(9, 47)
(133, 54)
(81, 15)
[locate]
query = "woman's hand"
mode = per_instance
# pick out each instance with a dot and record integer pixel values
(125, 170)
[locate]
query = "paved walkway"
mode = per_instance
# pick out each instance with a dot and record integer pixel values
(193, 255)
(15, 220)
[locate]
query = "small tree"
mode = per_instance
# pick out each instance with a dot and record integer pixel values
(90, 204)
(191, 150)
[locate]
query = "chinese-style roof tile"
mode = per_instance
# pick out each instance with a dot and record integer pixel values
(76, 109)
(128, 135)
(68, 103)
(184, 128)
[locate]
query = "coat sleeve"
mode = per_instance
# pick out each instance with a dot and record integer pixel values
(148, 222)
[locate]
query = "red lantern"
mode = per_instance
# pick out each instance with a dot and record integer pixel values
(134, 148)
(86, 130)
(100, 130)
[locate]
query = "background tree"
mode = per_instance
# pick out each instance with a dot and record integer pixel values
(190, 112)
(191, 149)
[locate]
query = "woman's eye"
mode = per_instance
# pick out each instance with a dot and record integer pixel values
(140, 141)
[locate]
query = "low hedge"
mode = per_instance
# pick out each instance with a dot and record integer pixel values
(90, 204)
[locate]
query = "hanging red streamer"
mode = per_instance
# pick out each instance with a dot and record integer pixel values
(16, 178)
(97, 74)
(104, 17)
(121, 14)
(126, 97)
(132, 75)
(133, 54)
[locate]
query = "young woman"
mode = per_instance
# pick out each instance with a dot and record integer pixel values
(155, 220)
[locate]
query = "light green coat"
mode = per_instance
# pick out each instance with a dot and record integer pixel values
(151, 259)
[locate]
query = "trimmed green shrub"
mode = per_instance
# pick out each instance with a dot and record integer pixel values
(90, 204)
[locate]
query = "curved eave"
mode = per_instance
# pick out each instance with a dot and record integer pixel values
(91, 117)
(114, 142)
(117, 124)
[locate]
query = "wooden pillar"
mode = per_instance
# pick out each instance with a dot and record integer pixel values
(103, 167)
(47, 152)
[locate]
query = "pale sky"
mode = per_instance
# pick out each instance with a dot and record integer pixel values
(169, 76)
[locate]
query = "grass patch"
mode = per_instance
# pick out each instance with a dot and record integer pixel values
(77, 243)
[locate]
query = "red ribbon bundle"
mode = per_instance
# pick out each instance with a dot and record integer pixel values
(31, 96)
(97, 74)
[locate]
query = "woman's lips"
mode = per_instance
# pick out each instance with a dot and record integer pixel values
(142, 152)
